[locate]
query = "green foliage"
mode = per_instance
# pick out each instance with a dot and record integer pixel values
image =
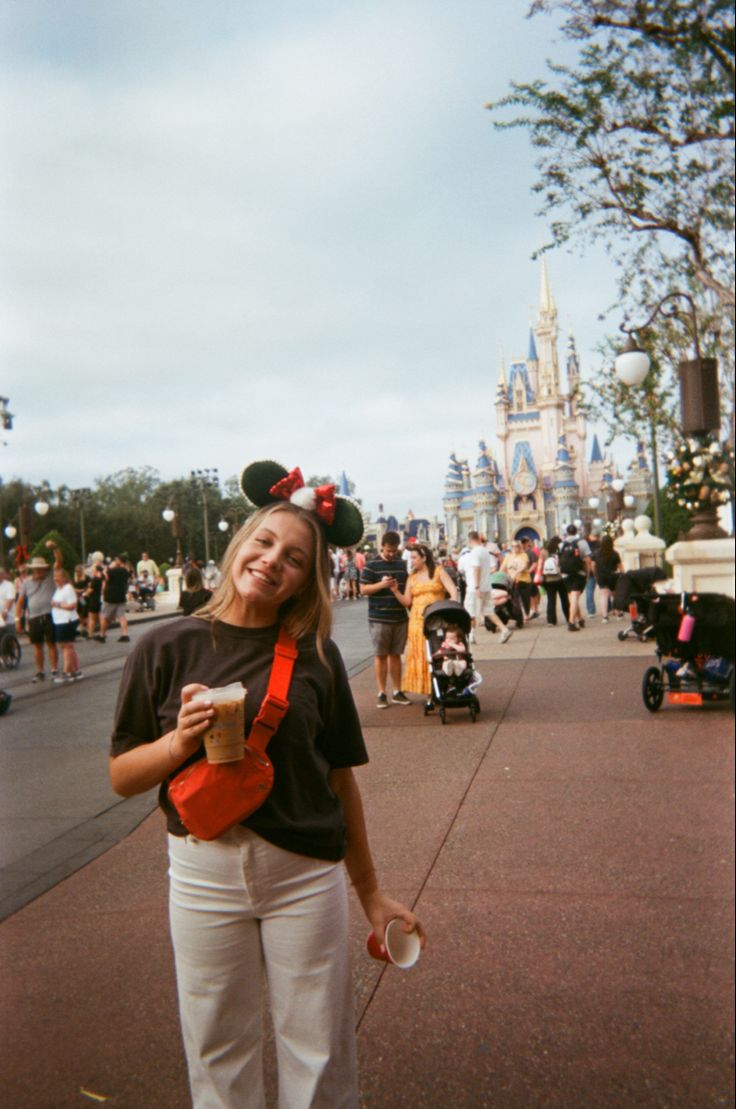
(636, 139)
(676, 521)
(635, 144)
(121, 514)
(69, 556)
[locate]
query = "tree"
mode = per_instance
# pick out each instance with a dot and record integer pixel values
(635, 144)
(636, 140)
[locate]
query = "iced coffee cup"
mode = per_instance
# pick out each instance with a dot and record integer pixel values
(224, 740)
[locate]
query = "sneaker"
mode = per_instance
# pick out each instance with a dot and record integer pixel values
(78, 676)
(54, 673)
(382, 701)
(573, 628)
(39, 677)
(101, 638)
(400, 698)
(124, 639)
(507, 635)
(604, 620)
(64, 679)
(471, 637)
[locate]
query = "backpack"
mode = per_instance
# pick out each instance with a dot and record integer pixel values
(551, 568)
(571, 561)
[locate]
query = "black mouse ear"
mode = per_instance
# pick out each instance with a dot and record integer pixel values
(346, 530)
(258, 479)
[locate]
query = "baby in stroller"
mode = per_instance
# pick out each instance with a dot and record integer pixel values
(451, 655)
(453, 677)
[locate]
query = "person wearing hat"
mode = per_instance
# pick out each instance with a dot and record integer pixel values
(35, 595)
(264, 905)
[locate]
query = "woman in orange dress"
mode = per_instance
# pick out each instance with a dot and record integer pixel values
(427, 583)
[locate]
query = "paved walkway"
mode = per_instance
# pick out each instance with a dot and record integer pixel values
(570, 855)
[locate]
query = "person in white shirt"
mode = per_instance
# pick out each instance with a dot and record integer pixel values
(66, 621)
(7, 600)
(145, 562)
(476, 565)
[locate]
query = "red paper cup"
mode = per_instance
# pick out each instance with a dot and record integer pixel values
(400, 948)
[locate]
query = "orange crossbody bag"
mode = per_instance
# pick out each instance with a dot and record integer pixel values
(211, 798)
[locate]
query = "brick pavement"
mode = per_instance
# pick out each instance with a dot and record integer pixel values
(570, 855)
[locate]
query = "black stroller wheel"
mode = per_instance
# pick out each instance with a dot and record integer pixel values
(622, 636)
(652, 689)
(443, 715)
(10, 652)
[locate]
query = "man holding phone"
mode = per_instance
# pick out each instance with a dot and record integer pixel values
(388, 620)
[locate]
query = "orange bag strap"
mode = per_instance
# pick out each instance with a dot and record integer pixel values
(275, 704)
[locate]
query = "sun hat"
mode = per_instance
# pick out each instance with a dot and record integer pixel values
(38, 563)
(269, 482)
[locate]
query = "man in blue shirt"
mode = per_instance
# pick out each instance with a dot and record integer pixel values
(388, 620)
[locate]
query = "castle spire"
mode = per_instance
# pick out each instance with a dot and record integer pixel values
(502, 372)
(546, 303)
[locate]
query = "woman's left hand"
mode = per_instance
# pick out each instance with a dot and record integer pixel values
(380, 909)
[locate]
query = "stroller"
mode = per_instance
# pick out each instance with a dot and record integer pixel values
(142, 593)
(633, 592)
(506, 602)
(695, 637)
(450, 690)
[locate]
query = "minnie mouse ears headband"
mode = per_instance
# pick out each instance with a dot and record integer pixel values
(268, 483)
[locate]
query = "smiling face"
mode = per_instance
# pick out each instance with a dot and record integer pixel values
(270, 566)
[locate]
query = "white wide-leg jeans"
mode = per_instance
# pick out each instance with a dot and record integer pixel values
(238, 907)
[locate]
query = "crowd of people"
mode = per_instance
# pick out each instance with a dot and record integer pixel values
(576, 574)
(570, 569)
(54, 608)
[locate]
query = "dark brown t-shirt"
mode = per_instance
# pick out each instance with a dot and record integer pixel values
(320, 732)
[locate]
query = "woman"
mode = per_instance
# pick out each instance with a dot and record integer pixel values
(425, 585)
(79, 582)
(194, 594)
(66, 621)
(270, 894)
(350, 574)
(606, 566)
(554, 583)
(93, 599)
(518, 567)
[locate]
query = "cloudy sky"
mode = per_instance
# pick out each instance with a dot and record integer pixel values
(236, 230)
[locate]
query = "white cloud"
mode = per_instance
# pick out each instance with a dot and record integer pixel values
(298, 238)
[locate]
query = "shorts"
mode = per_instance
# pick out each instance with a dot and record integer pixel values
(66, 633)
(478, 605)
(575, 583)
(388, 639)
(111, 611)
(41, 629)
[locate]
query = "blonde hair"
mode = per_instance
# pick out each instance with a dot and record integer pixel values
(308, 611)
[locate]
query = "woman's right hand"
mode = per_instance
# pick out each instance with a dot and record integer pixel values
(192, 722)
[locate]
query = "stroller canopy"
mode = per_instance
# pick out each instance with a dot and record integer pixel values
(451, 612)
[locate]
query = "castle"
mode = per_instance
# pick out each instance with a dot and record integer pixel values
(540, 481)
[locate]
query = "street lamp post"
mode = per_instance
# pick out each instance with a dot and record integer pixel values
(204, 480)
(78, 497)
(172, 517)
(699, 400)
